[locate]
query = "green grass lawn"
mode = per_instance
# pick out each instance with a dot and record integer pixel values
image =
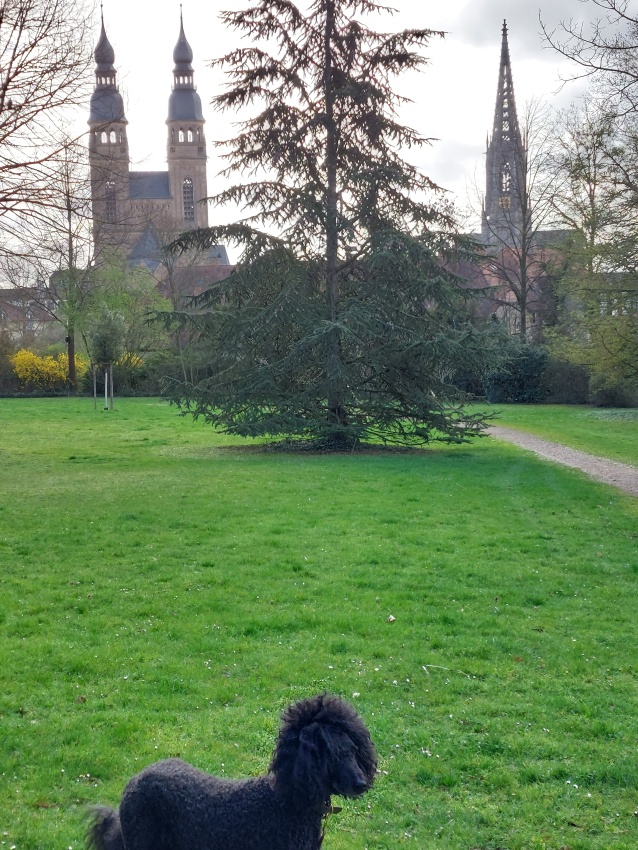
(608, 433)
(165, 593)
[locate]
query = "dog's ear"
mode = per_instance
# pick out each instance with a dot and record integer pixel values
(301, 766)
(312, 766)
(366, 752)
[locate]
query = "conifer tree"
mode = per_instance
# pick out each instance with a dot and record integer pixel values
(347, 324)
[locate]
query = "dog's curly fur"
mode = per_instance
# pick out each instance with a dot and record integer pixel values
(323, 748)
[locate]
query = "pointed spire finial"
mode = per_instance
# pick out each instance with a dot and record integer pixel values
(104, 53)
(182, 54)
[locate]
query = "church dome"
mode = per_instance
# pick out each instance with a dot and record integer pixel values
(107, 106)
(184, 105)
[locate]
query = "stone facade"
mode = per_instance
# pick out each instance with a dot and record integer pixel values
(135, 212)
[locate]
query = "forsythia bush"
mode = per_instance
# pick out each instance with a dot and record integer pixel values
(45, 372)
(130, 361)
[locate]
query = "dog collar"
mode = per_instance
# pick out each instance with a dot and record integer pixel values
(329, 809)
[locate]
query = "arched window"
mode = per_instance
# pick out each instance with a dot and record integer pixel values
(121, 137)
(110, 202)
(112, 137)
(181, 136)
(104, 137)
(189, 199)
(190, 135)
(199, 135)
(172, 137)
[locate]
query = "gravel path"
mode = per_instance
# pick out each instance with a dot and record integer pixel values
(621, 475)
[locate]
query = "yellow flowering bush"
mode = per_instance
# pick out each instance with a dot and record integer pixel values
(130, 361)
(45, 372)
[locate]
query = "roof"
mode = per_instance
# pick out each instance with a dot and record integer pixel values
(184, 105)
(191, 281)
(147, 250)
(217, 255)
(107, 106)
(148, 184)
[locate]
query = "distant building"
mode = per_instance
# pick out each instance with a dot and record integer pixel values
(136, 212)
(505, 163)
(520, 259)
(27, 314)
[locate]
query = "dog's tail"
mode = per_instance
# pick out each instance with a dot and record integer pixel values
(104, 831)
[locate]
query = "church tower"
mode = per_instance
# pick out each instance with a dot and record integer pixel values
(505, 204)
(186, 146)
(108, 148)
(136, 212)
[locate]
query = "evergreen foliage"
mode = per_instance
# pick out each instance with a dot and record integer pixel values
(348, 325)
(106, 336)
(522, 378)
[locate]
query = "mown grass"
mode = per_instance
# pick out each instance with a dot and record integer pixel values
(165, 593)
(611, 433)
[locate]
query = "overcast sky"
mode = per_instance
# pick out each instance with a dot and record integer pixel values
(453, 100)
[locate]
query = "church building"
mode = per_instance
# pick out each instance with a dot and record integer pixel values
(519, 256)
(505, 205)
(135, 212)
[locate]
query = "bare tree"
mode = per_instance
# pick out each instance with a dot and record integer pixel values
(596, 160)
(53, 263)
(45, 63)
(605, 50)
(56, 270)
(583, 167)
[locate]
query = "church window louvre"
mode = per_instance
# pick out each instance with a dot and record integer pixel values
(110, 202)
(189, 199)
(506, 179)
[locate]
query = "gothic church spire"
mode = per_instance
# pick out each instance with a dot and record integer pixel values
(505, 200)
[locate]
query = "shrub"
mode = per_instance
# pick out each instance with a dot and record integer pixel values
(44, 373)
(565, 382)
(610, 391)
(520, 380)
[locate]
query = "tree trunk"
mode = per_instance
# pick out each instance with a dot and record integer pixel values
(70, 348)
(336, 410)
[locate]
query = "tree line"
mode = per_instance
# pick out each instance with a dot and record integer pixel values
(347, 318)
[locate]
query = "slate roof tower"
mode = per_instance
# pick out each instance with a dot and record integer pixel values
(108, 146)
(134, 212)
(186, 146)
(504, 205)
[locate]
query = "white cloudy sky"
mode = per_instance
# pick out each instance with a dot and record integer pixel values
(453, 101)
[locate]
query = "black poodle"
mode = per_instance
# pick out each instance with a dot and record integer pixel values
(323, 748)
